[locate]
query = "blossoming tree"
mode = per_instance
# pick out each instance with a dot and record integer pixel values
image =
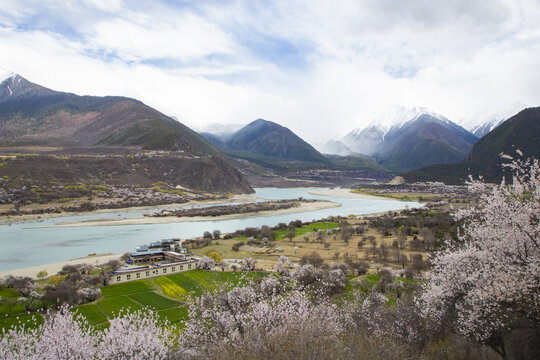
(488, 283)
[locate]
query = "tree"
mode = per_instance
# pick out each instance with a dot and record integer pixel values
(216, 234)
(42, 274)
(346, 233)
(249, 264)
(215, 256)
(486, 284)
(206, 263)
(207, 235)
(291, 234)
(312, 258)
(222, 265)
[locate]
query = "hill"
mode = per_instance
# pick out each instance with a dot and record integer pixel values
(107, 131)
(521, 131)
(262, 137)
(31, 114)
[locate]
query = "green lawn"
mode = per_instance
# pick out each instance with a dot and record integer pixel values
(153, 301)
(28, 320)
(113, 304)
(92, 313)
(127, 288)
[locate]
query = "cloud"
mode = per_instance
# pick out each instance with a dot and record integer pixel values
(305, 64)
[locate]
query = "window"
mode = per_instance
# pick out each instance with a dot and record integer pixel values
(173, 269)
(148, 273)
(138, 275)
(181, 267)
(164, 271)
(189, 266)
(128, 277)
(118, 278)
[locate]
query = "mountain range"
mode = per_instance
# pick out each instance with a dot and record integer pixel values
(400, 141)
(520, 133)
(411, 139)
(32, 115)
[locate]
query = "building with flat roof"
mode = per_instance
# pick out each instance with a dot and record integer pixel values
(150, 271)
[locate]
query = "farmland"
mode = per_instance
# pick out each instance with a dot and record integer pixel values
(166, 295)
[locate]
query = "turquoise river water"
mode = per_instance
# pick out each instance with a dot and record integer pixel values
(36, 243)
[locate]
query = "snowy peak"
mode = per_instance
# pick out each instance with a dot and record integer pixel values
(5, 75)
(483, 123)
(396, 118)
(368, 139)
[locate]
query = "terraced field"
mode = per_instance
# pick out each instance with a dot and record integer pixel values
(166, 295)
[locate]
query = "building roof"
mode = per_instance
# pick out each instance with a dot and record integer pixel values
(146, 253)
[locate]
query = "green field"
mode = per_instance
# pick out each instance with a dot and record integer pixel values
(127, 288)
(8, 293)
(153, 301)
(92, 313)
(157, 294)
(27, 320)
(11, 307)
(307, 229)
(174, 315)
(112, 305)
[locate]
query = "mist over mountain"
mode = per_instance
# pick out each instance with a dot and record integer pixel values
(481, 124)
(336, 147)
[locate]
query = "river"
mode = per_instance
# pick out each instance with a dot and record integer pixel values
(37, 243)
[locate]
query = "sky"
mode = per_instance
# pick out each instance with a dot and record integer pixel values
(321, 68)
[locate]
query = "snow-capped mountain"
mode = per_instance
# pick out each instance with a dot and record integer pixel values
(483, 123)
(7, 80)
(405, 139)
(367, 139)
(4, 75)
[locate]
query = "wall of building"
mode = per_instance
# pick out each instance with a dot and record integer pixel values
(165, 269)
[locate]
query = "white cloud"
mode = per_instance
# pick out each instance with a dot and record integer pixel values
(312, 65)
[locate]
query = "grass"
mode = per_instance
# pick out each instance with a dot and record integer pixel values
(113, 304)
(8, 293)
(174, 315)
(127, 288)
(29, 321)
(136, 295)
(280, 234)
(10, 308)
(152, 300)
(92, 313)
(186, 283)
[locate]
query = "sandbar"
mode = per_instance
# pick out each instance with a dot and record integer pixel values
(346, 193)
(54, 268)
(304, 207)
(15, 219)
